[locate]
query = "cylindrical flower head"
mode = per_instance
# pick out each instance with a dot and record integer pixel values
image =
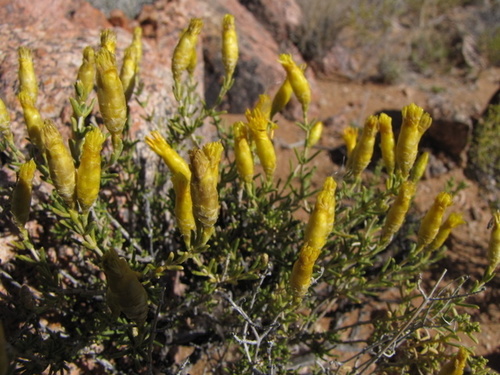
(363, 152)
(415, 122)
(108, 41)
(315, 134)
(419, 168)
(125, 292)
(86, 73)
(429, 227)
(454, 220)
(321, 221)
(5, 122)
(282, 97)
(387, 144)
(186, 48)
(27, 78)
(61, 165)
(298, 81)
(397, 213)
(21, 197)
(494, 245)
(32, 118)
(350, 136)
(137, 43)
(128, 71)
(174, 161)
(88, 177)
(110, 94)
(243, 153)
(257, 123)
(300, 279)
(183, 206)
(204, 178)
(229, 45)
(456, 365)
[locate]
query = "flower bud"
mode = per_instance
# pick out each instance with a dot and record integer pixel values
(86, 73)
(456, 365)
(229, 45)
(183, 206)
(258, 123)
(415, 123)
(137, 43)
(242, 152)
(21, 197)
(88, 177)
(494, 245)
(362, 153)
(204, 178)
(125, 293)
(32, 118)
(321, 221)
(282, 97)
(419, 168)
(128, 71)
(453, 220)
(300, 280)
(61, 166)
(350, 136)
(185, 50)
(174, 161)
(387, 144)
(27, 78)
(298, 81)
(431, 222)
(5, 123)
(314, 134)
(108, 41)
(397, 213)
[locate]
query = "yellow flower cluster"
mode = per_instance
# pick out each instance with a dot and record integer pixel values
(21, 197)
(318, 229)
(429, 226)
(298, 82)
(362, 152)
(230, 49)
(184, 57)
(456, 365)
(494, 245)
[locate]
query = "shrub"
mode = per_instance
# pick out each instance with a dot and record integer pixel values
(212, 254)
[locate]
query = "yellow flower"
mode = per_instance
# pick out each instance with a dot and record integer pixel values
(184, 55)
(419, 168)
(431, 222)
(86, 73)
(125, 292)
(183, 206)
(21, 197)
(453, 220)
(282, 97)
(300, 279)
(397, 213)
(387, 144)
(61, 165)
(242, 152)
(108, 41)
(32, 118)
(350, 136)
(205, 175)
(494, 245)
(415, 123)
(298, 81)
(137, 43)
(5, 123)
(229, 45)
(128, 72)
(88, 177)
(456, 365)
(314, 134)
(27, 78)
(174, 161)
(258, 124)
(322, 218)
(111, 97)
(363, 151)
